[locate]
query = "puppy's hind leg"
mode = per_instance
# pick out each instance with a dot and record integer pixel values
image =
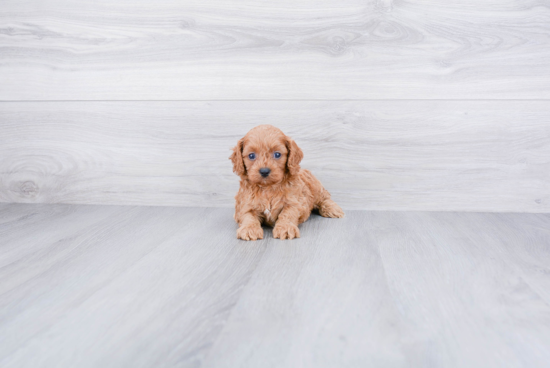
(321, 197)
(328, 208)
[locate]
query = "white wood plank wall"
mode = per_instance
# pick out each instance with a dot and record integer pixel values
(436, 155)
(401, 105)
(285, 49)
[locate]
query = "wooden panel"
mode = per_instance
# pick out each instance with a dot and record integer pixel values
(245, 49)
(108, 286)
(454, 277)
(407, 155)
(395, 289)
(89, 288)
(318, 301)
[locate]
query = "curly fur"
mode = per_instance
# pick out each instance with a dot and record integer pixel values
(286, 197)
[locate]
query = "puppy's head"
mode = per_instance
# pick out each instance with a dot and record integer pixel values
(265, 155)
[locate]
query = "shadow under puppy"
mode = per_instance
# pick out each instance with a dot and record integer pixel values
(274, 189)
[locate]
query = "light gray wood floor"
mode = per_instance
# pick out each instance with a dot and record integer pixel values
(109, 286)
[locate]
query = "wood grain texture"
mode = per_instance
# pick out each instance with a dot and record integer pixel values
(454, 278)
(395, 289)
(94, 293)
(112, 286)
(244, 49)
(388, 155)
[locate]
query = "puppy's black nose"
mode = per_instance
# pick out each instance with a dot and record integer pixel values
(265, 171)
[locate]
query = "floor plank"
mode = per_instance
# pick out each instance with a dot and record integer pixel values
(461, 295)
(83, 299)
(319, 301)
(337, 49)
(165, 286)
(383, 155)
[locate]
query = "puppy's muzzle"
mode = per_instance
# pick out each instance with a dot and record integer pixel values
(264, 171)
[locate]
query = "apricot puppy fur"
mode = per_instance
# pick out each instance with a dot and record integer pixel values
(274, 189)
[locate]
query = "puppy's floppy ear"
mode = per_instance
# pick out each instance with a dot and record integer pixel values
(295, 156)
(237, 158)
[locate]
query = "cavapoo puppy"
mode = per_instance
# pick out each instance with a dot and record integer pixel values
(274, 190)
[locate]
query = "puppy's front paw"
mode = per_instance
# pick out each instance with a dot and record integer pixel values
(331, 209)
(250, 233)
(286, 231)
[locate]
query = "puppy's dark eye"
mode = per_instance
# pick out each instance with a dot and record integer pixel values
(277, 155)
(252, 156)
